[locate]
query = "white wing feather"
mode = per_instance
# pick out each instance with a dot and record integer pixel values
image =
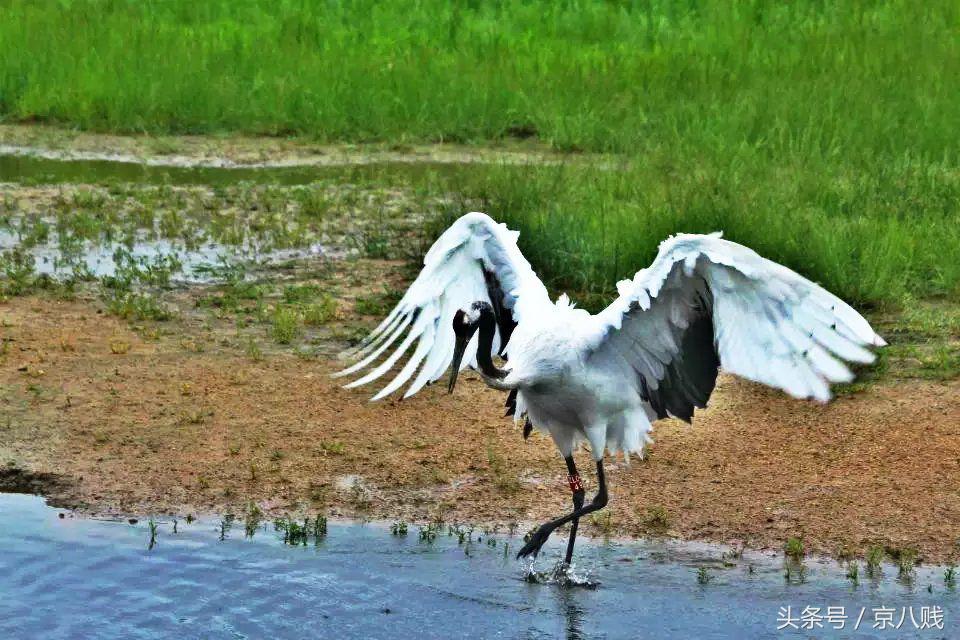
(771, 325)
(452, 278)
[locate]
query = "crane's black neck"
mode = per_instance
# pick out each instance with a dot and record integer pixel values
(487, 328)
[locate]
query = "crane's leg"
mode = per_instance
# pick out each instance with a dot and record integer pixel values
(540, 536)
(576, 486)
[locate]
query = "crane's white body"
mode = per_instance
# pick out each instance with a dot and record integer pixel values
(584, 377)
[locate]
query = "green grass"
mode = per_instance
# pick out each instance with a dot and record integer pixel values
(823, 135)
(803, 77)
(285, 325)
(794, 549)
(320, 312)
(874, 557)
(872, 234)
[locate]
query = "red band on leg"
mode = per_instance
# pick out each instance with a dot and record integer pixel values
(576, 484)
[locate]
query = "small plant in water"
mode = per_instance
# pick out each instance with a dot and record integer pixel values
(226, 523)
(399, 528)
(874, 561)
(296, 533)
(950, 576)
(703, 576)
(906, 561)
(793, 549)
(252, 519)
(153, 533)
(853, 572)
(795, 573)
(428, 533)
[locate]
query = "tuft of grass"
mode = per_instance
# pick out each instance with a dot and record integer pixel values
(300, 293)
(300, 533)
(320, 312)
(226, 523)
(703, 576)
(603, 523)
(333, 447)
(17, 274)
(906, 562)
(119, 347)
(853, 572)
(950, 576)
(285, 325)
(153, 534)
(252, 349)
(252, 519)
(429, 533)
(376, 305)
(137, 306)
(399, 528)
(657, 518)
(875, 555)
(794, 549)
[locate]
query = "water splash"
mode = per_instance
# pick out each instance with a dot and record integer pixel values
(561, 574)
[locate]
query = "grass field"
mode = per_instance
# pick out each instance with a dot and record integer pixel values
(822, 135)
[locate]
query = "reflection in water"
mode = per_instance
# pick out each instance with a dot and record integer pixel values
(573, 613)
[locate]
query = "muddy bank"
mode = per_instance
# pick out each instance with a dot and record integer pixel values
(187, 420)
(57, 487)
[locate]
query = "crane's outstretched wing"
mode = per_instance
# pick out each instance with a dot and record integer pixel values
(475, 259)
(707, 303)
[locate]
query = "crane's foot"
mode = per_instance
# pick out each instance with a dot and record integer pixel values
(537, 540)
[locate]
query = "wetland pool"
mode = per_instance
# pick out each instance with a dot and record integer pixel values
(67, 576)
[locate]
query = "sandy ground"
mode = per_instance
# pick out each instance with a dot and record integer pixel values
(152, 425)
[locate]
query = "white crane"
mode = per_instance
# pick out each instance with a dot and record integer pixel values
(704, 304)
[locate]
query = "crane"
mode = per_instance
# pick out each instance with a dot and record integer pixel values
(704, 304)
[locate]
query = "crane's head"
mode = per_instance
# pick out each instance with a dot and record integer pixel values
(465, 323)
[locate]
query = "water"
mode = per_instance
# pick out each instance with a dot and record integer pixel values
(83, 578)
(198, 264)
(96, 258)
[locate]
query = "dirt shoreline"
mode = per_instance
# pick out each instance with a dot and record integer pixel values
(167, 428)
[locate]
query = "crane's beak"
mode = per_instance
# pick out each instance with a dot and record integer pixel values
(458, 349)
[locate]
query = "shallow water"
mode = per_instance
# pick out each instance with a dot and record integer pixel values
(197, 264)
(196, 261)
(83, 578)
